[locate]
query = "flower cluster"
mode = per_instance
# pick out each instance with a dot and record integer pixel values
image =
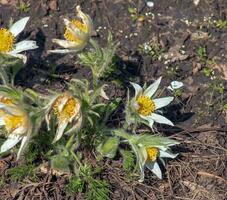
(146, 106)
(80, 115)
(16, 124)
(8, 43)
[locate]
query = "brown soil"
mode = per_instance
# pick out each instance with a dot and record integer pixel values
(179, 27)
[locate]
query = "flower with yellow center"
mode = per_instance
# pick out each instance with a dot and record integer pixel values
(148, 150)
(146, 106)
(68, 111)
(152, 153)
(16, 123)
(77, 33)
(8, 39)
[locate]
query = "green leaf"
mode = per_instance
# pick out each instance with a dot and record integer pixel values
(109, 147)
(128, 160)
(60, 162)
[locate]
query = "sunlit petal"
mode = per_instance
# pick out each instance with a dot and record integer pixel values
(137, 87)
(24, 141)
(160, 119)
(62, 51)
(161, 102)
(166, 154)
(20, 56)
(60, 131)
(152, 88)
(10, 142)
(24, 46)
(19, 26)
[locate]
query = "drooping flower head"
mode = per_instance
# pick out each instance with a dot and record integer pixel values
(146, 106)
(67, 109)
(77, 33)
(16, 123)
(8, 43)
(148, 150)
(149, 158)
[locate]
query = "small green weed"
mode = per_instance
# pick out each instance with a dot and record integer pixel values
(24, 7)
(221, 24)
(75, 185)
(128, 160)
(201, 53)
(93, 188)
(20, 172)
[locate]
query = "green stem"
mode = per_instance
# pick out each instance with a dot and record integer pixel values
(70, 141)
(122, 133)
(76, 158)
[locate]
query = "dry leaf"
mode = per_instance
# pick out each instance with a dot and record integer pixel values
(199, 35)
(53, 5)
(8, 2)
(174, 54)
(222, 68)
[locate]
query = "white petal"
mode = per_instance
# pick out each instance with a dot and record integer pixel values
(154, 167)
(61, 51)
(65, 44)
(10, 142)
(60, 131)
(22, 146)
(152, 88)
(138, 88)
(66, 21)
(141, 174)
(165, 154)
(160, 119)
(86, 19)
(161, 102)
(19, 26)
(20, 56)
(76, 127)
(20, 130)
(24, 46)
(2, 122)
(157, 171)
(103, 93)
(149, 119)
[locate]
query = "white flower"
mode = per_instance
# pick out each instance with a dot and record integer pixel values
(148, 159)
(174, 85)
(77, 33)
(145, 106)
(68, 111)
(8, 38)
(16, 123)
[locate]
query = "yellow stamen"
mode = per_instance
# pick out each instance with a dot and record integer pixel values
(68, 110)
(152, 153)
(77, 24)
(146, 105)
(6, 100)
(12, 122)
(6, 40)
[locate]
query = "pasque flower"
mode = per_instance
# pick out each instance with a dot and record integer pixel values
(149, 156)
(67, 109)
(15, 123)
(8, 43)
(77, 33)
(146, 106)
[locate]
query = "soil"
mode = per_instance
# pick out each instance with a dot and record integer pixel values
(179, 28)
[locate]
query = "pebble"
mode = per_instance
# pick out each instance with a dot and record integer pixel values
(150, 4)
